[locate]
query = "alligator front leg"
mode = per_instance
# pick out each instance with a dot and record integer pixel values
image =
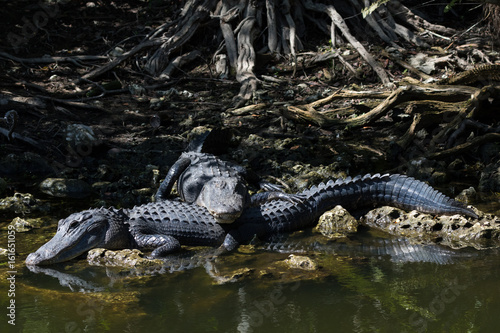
(162, 244)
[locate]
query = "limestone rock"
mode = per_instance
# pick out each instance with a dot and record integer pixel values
(301, 262)
(22, 203)
(467, 196)
(455, 231)
(22, 225)
(337, 223)
(123, 258)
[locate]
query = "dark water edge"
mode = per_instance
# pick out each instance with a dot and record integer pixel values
(358, 294)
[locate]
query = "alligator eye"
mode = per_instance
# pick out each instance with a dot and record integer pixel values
(73, 225)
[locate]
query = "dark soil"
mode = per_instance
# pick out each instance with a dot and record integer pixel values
(141, 132)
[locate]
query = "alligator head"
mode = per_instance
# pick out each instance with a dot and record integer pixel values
(81, 232)
(224, 197)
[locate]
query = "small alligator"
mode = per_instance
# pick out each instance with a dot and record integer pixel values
(218, 185)
(166, 225)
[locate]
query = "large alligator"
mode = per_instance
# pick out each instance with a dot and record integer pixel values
(220, 186)
(166, 225)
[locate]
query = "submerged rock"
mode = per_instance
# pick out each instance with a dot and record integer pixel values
(455, 231)
(65, 188)
(336, 223)
(301, 262)
(291, 270)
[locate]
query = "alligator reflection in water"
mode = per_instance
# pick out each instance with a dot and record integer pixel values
(397, 250)
(359, 287)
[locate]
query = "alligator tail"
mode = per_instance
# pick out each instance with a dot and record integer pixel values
(394, 190)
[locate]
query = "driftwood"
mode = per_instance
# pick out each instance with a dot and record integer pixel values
(408, 137)
(454, 124)
(247, 109)
(401, 95)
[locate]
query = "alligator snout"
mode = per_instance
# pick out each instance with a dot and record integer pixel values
(224, 217)
(33, 259)
(40, 257)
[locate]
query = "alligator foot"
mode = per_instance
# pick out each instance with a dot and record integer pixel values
(162, 244)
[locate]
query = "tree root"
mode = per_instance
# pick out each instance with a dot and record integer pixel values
(465, 147)
(76, 60)
(246, 59)
(400, 95)
(339, 22)
(275, 26)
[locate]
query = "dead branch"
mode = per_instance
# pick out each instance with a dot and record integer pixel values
(247, 109)
(465, 147)
(195, 13)
(407, 138)
(17, 136)
(115, 62)
(400, 95)
(50, 60)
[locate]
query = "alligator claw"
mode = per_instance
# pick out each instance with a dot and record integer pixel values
(263, 197)
(295, 198)
(270, 187)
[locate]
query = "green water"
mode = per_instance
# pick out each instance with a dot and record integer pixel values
(362, 296)
(358, 294)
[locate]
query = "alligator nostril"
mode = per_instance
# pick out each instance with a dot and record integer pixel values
(31, 259)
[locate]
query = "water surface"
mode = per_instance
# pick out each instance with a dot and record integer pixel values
(359, 293)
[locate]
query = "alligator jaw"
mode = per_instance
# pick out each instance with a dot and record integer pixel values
(225, 218)
(62, 248)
